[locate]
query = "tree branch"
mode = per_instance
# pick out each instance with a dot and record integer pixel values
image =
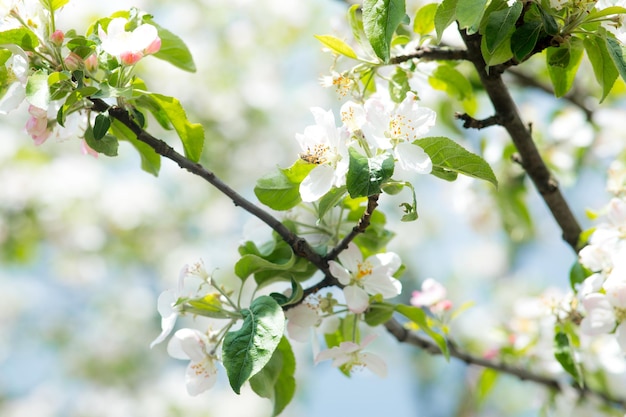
(470, 123)
(531, 160)
(405, 336)
(299, 245)
(427, 53)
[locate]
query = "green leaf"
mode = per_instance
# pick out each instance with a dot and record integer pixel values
(366, 175)
(276, 380)
(486, 382)
(445, 15)
(500, 25)
(381, 18)
(424, 21)
(448, 156)
(501, 54)
(378, 313)
(337, 45)
(577, 274)
(173, 49)
(449, 79)
(330, 200)
(296, 294)
(603, 66)
(106, 145)
(53, 5)
(417, 316)
(563, 63)
(564, 353)
(22, 37)
(607, 11)
(549, 23)
(191, 134)
(469, 13)
(247, 350)
(150, 160)
(399, 85)
(101, 126)
(281, 258)
(280, 190)
(525, 38)
(356, 23)
(617, 55)
(37, 90)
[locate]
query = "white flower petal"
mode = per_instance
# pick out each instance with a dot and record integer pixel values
(351, 258)
(385, 285)
(317, 183)
(356, 298)
(413, 158)
(374, 363)
(600, 317)
(200, 376)
(339, 272)
(188, 344)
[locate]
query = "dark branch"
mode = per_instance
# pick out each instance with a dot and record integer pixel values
(360, 227)
(470, 123)
(427, 53)
(298, 244)
(405, 336)
(531, 160)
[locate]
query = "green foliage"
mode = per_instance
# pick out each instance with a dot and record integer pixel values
(486, 382)
(150, 160)
(247, 350)
(450, 159)
(469, 14)
(337, 45)
(381, 18)
(378, 313)
(106, 144)
(366, 175)
(603, 66)
(37, 90)
(190, 134)
(445, 15)
(22, 37)
(280, 190)
(424, 21)
(500, 26)
(399, 85)
(564, 354)
(417, 316)
(563, 63)
(173, 49)
(276, 380)
(447, 78)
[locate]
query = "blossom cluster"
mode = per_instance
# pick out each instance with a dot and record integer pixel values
(65, 57)
(603, 293)
(375, 127)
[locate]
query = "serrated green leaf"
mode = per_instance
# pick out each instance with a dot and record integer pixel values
(381, 18)
(424, 21)
(37, 90)
(617, 55)
(469, 13)
(337, 45)
(150, 160)
(500, 25)
(366, 175)
(22, 37)
(564, 354)
(445, 15)
(190, 134)
(417, 316)
(101, 126)
(525, 38)
(501, 54)
(276, 380)
(247, 350)
(173, 49)
(603, 66)
(447, 155)
(563, 63)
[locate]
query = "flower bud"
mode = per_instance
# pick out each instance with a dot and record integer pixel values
(91, 63)
(57, 37)
(130, 57)
(154, 47)
(73, 62)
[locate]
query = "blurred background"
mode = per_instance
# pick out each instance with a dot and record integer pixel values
(86, 245)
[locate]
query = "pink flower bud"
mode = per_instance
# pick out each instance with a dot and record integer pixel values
(130, 58)
(154, 47)
(73, 62)
(57, 37)
(91, 63)
(37, 125)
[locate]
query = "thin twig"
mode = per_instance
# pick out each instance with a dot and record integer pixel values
(427, 53)
(470, 123)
